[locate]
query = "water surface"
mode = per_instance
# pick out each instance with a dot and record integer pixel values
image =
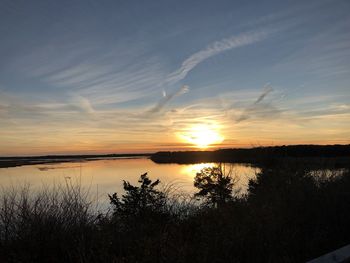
(106, 176)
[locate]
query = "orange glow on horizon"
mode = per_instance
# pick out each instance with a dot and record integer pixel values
(202, 136)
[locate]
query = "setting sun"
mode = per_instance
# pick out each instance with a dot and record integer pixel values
(202, 136)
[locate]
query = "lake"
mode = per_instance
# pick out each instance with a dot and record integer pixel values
(105, 176)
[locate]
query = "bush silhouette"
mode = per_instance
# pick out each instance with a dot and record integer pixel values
(214, 185)
(138, 222)
(139, 199)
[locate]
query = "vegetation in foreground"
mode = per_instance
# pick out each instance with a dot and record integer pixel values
(290, 214)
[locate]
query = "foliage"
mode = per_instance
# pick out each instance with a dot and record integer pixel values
(138, 200)
(139, 220)
(214, 185)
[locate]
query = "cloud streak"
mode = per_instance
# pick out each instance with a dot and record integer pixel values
(117, 74)
(168, 97)
(214, 49)
(267, 90)
(258, 108)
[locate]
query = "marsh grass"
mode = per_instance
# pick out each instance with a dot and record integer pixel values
(46, 222)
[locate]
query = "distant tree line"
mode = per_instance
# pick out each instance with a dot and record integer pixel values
(259, 155)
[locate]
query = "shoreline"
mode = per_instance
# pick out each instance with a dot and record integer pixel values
(338, 155)
(8, 162)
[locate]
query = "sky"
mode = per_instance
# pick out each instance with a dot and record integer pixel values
(142, 76)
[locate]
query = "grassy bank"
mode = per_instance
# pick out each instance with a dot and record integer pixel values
(288, 215)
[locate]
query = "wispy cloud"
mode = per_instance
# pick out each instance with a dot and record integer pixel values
(324, 54)
(258, 108)
(195, 59)
(267, 90)
(214, 49)
(168, 97)
(118, 74)
(82, 105)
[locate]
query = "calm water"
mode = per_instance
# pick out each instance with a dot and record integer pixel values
(106, 176)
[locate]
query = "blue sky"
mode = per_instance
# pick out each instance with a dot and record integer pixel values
(107, 76)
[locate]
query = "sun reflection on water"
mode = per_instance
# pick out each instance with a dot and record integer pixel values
(193, 169)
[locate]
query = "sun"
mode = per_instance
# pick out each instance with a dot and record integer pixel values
(202, 136)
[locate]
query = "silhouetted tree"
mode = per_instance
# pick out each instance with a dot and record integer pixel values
(139, 199)
(139, 221)
(214, 185)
